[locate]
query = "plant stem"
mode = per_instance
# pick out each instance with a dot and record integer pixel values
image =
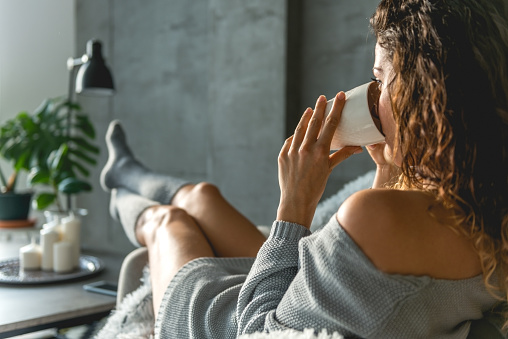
(4, 182)
(12, 182)
(58, 204)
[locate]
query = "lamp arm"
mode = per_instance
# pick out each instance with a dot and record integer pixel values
(72, 64)
(69, 99)
(75, 62)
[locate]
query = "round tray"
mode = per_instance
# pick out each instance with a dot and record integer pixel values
(10, 224)
(11, 274)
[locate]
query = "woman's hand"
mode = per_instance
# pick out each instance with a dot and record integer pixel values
(305, 162)
(386, 172)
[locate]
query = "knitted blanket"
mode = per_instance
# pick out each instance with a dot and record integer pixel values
(134, 317)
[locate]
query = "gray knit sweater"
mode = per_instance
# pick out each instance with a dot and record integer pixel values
(319, 281)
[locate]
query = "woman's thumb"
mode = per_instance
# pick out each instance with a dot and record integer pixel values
(342, 154)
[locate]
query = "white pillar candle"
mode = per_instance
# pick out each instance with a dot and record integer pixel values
(49, 236)
(62, 257)
(71, 231)
(30, 256)
(53, 223)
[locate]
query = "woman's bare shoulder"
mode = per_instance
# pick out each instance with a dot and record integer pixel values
(399, 235)
(370, 205)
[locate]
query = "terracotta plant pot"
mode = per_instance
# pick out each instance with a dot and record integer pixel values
(15, 206)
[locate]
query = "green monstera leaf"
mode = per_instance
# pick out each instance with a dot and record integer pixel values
(54, 157)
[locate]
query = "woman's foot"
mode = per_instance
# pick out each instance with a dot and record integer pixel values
(123, 170)
(121, 161)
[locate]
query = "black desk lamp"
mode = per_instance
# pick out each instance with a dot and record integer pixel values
(93, 78)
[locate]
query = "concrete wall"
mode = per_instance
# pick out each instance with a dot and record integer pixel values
(199, 91)
(337, 54)
(203, 94)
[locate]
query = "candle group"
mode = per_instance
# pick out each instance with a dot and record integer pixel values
(59, 248)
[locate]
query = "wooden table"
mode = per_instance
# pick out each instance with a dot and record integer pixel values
(25, 308)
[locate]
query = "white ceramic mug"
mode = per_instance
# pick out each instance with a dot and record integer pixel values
(359, 122)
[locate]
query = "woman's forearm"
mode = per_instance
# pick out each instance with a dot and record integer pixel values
(271, 275)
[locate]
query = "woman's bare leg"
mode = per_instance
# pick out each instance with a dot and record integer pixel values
(200, 223)
(173, 239)
(229, 233)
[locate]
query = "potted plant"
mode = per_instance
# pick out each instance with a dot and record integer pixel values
(14, 205)
(54, 145)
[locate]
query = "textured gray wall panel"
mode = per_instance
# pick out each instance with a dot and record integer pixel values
(201, 90)
(246, 91)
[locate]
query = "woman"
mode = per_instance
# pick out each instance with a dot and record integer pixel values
(418, 256)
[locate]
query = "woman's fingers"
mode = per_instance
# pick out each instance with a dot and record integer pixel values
(301, 129)
(285, 148)
(342, 154)
(316, 121)
(312, 131)
(332, 120)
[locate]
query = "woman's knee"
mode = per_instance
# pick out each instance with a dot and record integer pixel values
(205, 190)
(196, 195)
(158, 218)
(167, 214)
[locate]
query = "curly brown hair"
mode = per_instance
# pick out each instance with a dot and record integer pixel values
(449, 97)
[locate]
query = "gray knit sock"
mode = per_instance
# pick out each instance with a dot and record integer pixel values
(126, 207)
(123, 170)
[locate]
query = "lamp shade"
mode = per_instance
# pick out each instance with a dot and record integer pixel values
(93, 76)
